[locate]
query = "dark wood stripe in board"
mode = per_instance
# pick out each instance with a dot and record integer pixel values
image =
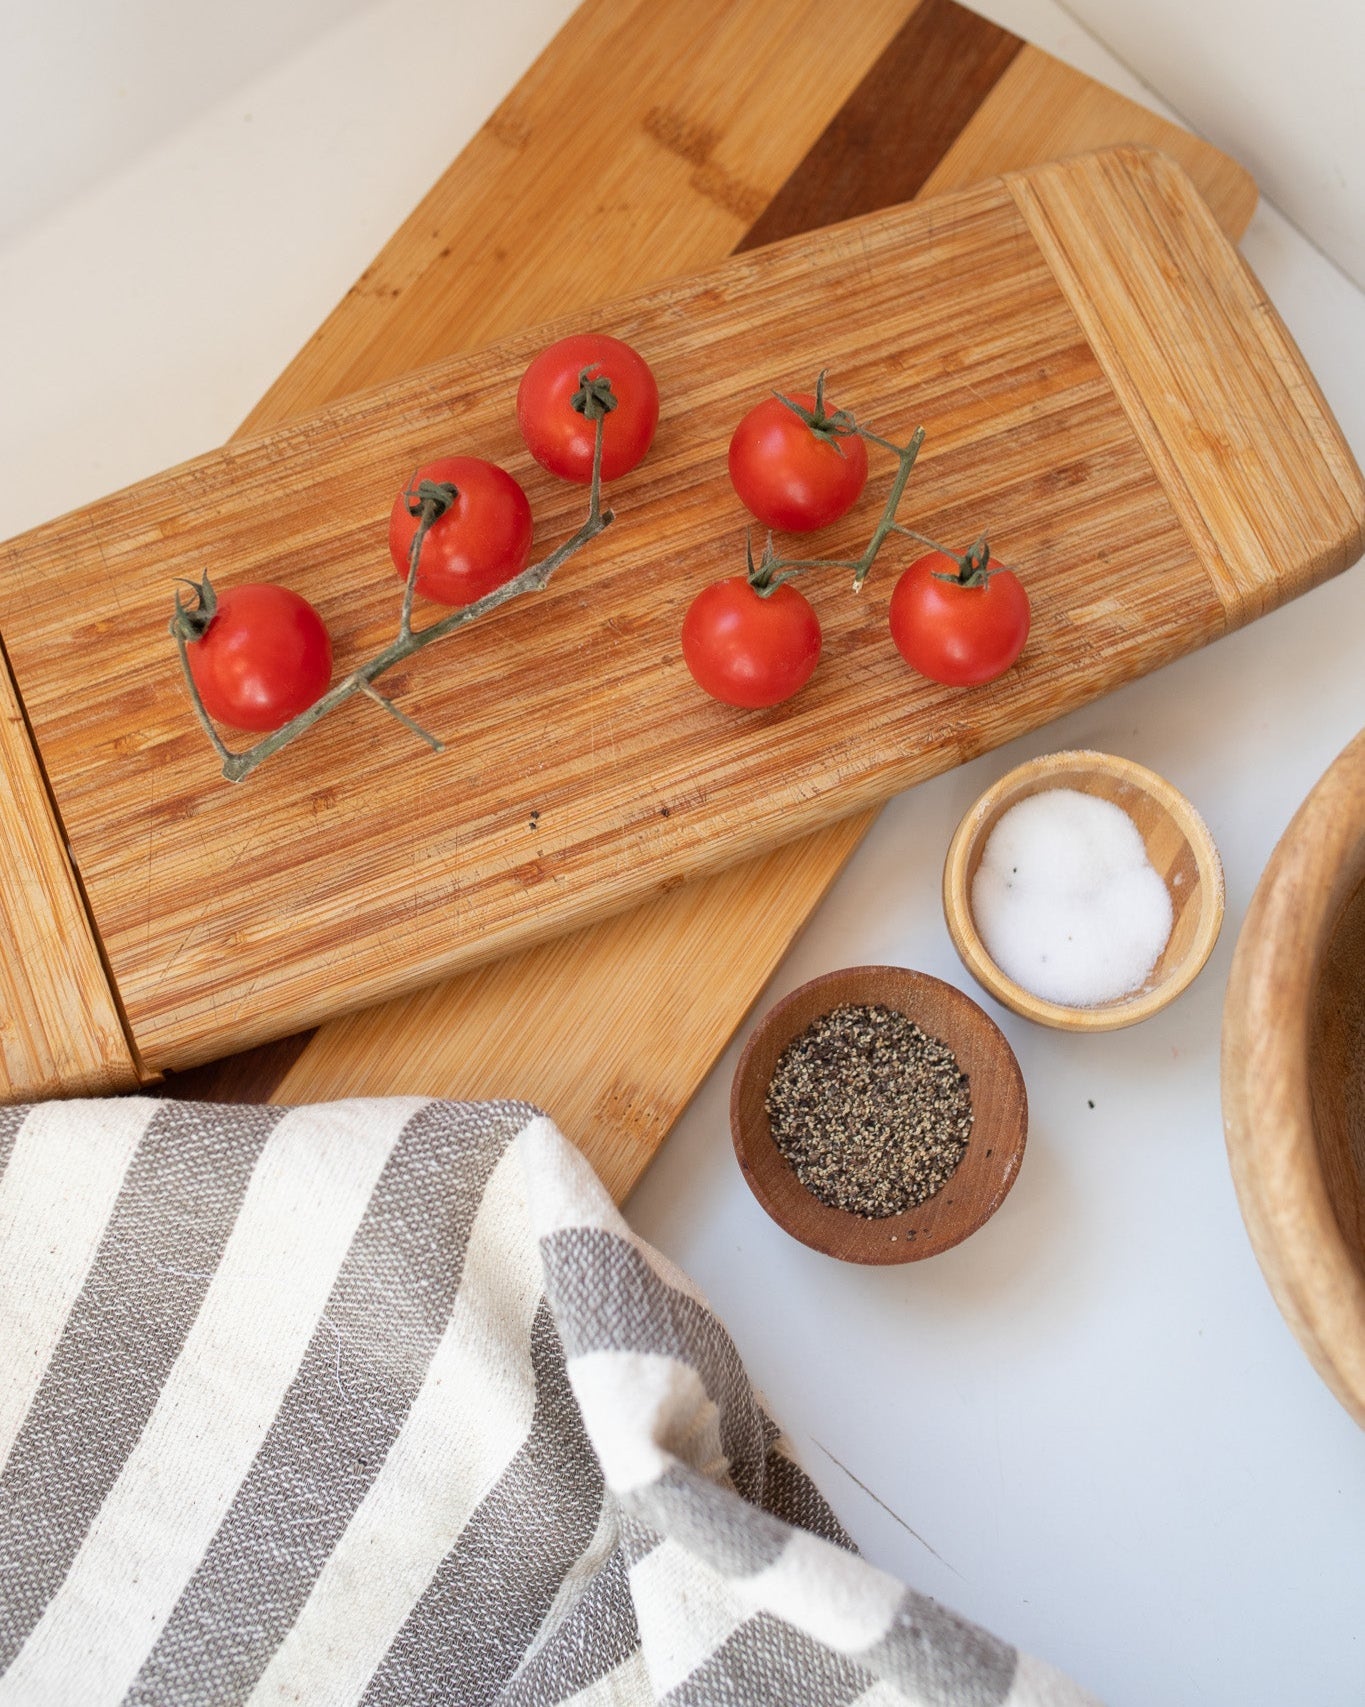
(893, 130)
(877, 150)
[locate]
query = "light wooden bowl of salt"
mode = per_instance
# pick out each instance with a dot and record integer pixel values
(1083, 891)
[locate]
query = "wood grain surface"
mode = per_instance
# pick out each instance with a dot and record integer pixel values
(617, 1085)
(1293, 1075)
(1200, 423)
(703, 104)
(564, 200)
(60, 1029)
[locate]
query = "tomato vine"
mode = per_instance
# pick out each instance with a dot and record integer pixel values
(966, 632)
(189, 623)
(772, 570)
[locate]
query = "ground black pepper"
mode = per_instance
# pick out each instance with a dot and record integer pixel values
(872, 1113)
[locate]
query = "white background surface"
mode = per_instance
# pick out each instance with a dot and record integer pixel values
(1087, 1427)
(1281, 86)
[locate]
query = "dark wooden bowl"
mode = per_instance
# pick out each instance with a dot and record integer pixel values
(999, 1118)
(1294, 1075)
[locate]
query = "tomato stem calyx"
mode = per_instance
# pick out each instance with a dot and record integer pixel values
(430, 499)
(829, 427)
(770, 572)
(191, 622)
(973, 565)
(594, 397)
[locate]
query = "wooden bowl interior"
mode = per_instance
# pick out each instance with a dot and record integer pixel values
(1178, 845)
(1336, 1073)
(1294, 1075)
(999, 1118)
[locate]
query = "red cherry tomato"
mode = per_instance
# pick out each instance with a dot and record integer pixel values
(558, 435)
(790, 476)
(264, 657)
(958, 634)
(747, 649)
(482, 540)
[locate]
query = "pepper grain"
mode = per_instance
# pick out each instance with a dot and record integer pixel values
(871, 1112)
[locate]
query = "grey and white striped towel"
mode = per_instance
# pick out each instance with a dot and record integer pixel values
(383, 1403)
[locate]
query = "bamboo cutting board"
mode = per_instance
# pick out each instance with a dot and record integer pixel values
(1098, 373)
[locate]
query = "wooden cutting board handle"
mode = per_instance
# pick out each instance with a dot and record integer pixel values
(60, 1030)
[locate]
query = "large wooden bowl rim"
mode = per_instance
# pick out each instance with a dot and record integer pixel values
(999, 1118)
(1269, 1020)
(1122, 781)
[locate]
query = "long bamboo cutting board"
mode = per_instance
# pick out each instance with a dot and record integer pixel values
(721, 119)
(1099, 375)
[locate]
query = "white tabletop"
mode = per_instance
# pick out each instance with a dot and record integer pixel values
(1087, 1427)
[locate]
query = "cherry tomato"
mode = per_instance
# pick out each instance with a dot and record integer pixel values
(558, 435)
(747, 649)
(791, 476)
(956, 633)
(264, 657)
(482, 540)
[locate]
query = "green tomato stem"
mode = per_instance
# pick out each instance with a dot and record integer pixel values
(182, 644)
(829, 428)
(774, 571)
(428, 501)
(436, 745)
(973, 564)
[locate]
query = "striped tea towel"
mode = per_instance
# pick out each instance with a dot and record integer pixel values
(382, 1403)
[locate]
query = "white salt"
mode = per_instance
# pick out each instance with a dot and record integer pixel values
(1066, 901)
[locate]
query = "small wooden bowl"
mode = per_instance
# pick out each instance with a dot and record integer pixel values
(994, 1151)
(1178, 845)
(1294, 1076)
